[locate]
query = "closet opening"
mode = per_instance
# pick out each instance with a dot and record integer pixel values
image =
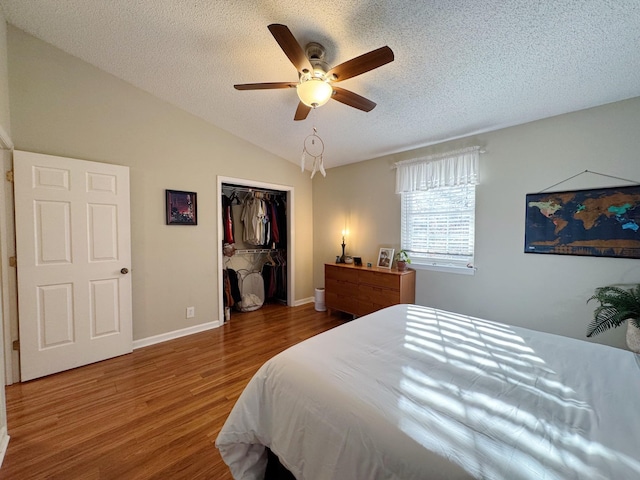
(255, 246)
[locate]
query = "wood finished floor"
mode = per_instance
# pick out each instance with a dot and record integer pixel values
(152, 414)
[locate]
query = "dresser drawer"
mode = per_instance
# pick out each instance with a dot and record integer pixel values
(341, 287)
(344, 303)
(341, 274)
(378, 295)
(365, 308)
(388, 280)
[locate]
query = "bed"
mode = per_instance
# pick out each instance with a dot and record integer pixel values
(412, 392)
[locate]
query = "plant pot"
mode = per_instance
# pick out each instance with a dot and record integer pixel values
(401, 266)
(633, 337)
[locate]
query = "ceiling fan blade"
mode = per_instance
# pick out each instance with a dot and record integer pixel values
(362, 64)
(290, 47)
(302, 111)
(352, 99)
(264, 86)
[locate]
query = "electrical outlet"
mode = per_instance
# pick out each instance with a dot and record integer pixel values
(191, 312)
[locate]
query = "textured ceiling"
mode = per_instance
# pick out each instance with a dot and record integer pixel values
(461, 66)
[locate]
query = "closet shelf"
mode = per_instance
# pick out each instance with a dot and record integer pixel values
(230, 188)
(257, 250)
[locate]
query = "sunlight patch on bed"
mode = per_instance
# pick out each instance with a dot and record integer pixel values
(483, 385)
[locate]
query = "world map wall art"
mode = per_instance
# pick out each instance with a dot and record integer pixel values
(602, 222)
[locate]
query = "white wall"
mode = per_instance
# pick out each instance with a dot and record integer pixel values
(63, 106)
(543, 292)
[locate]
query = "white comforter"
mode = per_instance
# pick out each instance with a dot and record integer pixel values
(412, 392)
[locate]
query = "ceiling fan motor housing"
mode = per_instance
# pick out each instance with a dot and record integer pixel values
(314, 89)
(316, 54)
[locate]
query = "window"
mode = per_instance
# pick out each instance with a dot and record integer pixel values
(438, 210)
(438, 225)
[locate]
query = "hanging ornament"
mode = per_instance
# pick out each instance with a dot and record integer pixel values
(314, 148)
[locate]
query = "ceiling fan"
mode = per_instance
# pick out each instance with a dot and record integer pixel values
(315, 85)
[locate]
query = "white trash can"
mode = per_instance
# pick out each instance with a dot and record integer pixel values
(319, 300)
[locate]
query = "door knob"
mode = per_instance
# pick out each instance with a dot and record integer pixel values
(124, 271)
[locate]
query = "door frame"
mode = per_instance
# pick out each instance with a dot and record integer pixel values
(8, 279)
(290, 235)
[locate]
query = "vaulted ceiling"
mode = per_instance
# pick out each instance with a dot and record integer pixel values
(461, 66)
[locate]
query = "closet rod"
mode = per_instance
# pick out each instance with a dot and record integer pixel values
(257, 250)
(238, 188)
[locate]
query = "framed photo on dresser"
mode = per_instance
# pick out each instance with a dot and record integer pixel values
(385, 257)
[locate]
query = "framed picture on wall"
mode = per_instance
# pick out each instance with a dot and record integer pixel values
(597, 222)
(181, 208)
(385, 257)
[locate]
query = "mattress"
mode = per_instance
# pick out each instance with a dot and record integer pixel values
(412, 392)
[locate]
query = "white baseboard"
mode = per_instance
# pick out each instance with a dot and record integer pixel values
(304, 301)
(4, 443)
(145, 342)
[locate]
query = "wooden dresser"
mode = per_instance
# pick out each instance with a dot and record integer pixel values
(362, 290)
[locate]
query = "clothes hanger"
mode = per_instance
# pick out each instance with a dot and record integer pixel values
(234, 197)
(270, 259)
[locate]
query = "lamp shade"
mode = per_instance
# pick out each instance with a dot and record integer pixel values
(314, 92)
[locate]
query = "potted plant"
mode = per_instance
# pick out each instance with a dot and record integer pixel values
(617, 305)
(402, 260)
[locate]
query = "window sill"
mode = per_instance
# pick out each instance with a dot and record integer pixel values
(445, 268)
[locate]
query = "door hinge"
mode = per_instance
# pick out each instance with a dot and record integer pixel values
(9, 176)
(16, 345)
(12, 261)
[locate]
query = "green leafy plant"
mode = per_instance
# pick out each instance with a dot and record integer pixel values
(403, 256)
(617, 304)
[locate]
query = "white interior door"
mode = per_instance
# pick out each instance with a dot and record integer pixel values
(73, 254)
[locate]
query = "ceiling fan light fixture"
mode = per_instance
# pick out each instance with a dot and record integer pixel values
(315, 79)
(314, 92)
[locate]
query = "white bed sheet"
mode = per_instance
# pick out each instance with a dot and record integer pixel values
(412, 392)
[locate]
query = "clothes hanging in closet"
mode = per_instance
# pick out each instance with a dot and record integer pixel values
(254, 220)
(280, 213)
(273, 217)
(264, 221)
(274, 273)
(234, 286)
(227, 217)
(228, 298)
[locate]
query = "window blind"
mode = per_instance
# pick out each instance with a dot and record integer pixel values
(438, 225)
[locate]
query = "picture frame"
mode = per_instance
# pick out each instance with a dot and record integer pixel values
(385, 257)
(181, 207)
(596, 222)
